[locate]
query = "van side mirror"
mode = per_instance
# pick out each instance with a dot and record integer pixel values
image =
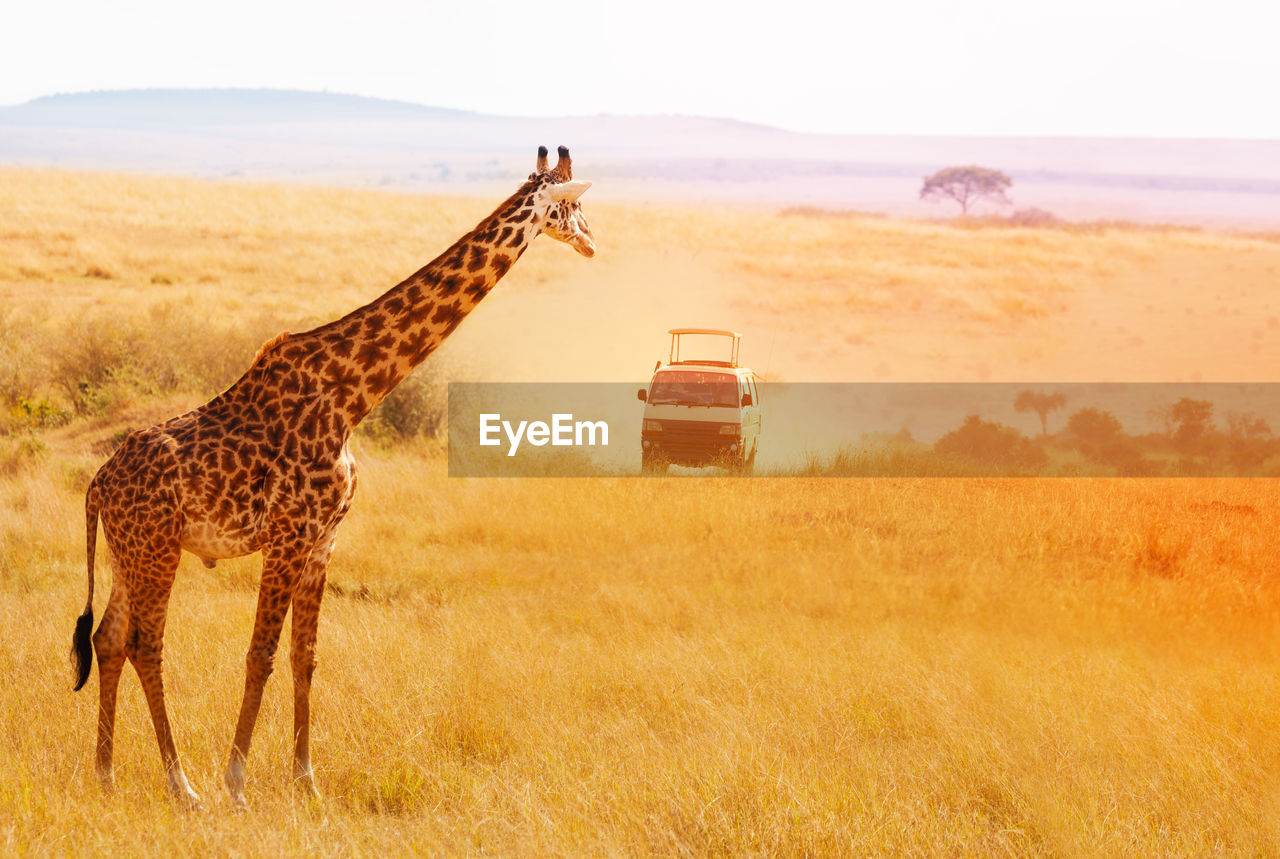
(746, 400)
(641, 395)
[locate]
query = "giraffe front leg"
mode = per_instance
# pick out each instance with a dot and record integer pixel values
(306, 616)
(279, 575)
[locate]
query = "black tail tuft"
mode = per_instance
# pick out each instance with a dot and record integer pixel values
(82, 649)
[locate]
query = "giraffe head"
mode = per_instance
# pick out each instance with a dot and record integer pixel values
(562, 219)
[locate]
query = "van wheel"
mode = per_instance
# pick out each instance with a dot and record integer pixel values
(653, 465)
(748, 468)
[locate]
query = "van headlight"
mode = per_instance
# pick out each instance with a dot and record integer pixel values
(652, 426)
(728, 429)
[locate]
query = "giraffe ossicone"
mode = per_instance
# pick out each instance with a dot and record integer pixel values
(265, 466)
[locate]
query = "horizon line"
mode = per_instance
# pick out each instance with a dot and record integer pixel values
(763, 126)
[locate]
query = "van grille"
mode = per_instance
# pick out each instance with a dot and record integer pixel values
(692, 439)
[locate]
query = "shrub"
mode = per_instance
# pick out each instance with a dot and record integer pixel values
(16, 454)
(100, 362)
(1033, 217)
(37, 414)
(18, 372)
(1125, 456)
(991, 443)
(418, 408)
(90, 355)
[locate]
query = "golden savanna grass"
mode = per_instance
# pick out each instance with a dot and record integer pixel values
(679, 666)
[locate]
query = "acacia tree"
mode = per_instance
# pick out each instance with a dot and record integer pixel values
(1041, 404)
(967, 185)
(1194, 419)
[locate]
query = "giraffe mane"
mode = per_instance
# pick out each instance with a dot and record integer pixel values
(270, 344)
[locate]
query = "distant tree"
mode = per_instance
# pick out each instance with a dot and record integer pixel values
(1247, 425)
(1041, 404)
(967, 185)
(1163, 415)
(1194, 418)
(1094, 426)
(1249, 443)
(1099, 436)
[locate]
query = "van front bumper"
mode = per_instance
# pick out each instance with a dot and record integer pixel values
(691, 448)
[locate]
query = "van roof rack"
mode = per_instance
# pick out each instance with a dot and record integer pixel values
(674, 357)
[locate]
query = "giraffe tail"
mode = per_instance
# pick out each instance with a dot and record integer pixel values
(82, 641)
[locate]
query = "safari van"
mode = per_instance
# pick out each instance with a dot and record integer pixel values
(700, 411)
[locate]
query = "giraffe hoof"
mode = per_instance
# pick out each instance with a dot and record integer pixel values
(107, 782)
(307, 790)
(189, 801)
(234, 779)
(181, 790)
(237, 799)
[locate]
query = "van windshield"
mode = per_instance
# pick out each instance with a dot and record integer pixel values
(692, 388)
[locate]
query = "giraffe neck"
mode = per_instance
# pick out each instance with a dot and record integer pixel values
(359, 359)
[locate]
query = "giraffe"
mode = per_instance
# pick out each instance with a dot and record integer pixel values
(265, 467)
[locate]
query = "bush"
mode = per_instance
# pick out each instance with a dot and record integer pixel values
(90, 355)
(17, 454)
(18, 372)
(93, 366)
(37, 414)
(418, 408)
(1126, 457)
(1033, 217)
(991, 443)
(101, 362)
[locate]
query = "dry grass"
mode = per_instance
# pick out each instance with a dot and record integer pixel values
(813, 666)
(606, 665)
(820, 298)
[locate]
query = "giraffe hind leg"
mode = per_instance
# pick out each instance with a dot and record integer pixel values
(147, 559)
(109, 645)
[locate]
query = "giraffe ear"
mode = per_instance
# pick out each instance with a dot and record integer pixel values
(568, 191)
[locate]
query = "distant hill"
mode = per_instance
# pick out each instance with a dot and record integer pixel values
(178, 107)
(352, 140)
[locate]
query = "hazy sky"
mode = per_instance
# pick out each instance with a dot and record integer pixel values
(1072, 67)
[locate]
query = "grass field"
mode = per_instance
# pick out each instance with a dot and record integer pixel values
(718, 666)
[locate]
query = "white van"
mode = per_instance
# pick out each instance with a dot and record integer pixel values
(700, 411)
